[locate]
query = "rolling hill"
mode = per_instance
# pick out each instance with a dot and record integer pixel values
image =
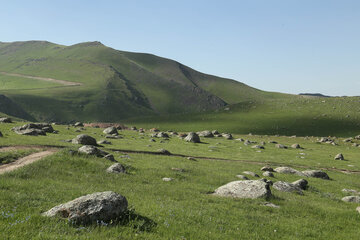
(112, 85)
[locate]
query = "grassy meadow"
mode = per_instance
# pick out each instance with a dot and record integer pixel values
(183, 208)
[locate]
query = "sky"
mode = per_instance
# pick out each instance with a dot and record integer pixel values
(291, 46)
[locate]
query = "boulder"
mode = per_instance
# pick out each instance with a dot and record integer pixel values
(354, 199)
(268, 174)
(192, 137)
(350, 191)
(164, 151)
(251, 174)
(287, 187)
(110, 157)
(258, 147)
(288, 170)
(301, 183)
(116, 168)
(316, 174)
(92, 150)
(100, 206)
(5, 120)
(34, 129)
(215, 132)
(339, 157)
(84, 140)
(110, 130)
(281, 146)
(244, 189)
(30, 132)
(206, 133)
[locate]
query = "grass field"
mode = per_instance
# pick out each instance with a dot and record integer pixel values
(182, 208)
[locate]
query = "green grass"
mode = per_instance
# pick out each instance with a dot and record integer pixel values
(19, 83)
(181, 209)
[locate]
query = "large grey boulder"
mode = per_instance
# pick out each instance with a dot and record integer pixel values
(287, 187)
(192, 137)
(316, 174)
(244, 189)
(206, 133)
(288, 170)
(84, 140)
(110, 130)
(354, 199)
(92, 150)
(91, 208)
(116, 168)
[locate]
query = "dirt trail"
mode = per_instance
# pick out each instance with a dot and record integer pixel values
(63, 82)
(24, 160)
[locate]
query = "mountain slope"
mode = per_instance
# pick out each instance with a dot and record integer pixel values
(115, 84)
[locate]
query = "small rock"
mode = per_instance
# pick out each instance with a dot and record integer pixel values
(104, 142)
(116, 168)
(268, 174)
(267, 168)
(192, 137)
(110, 130)
(251, 174)
(350, 191)
(110, 157)
(358, 209)
(339, 157)
(84, 140)
(281, 146)
(268, 204)
(191, 159)
(301, 183)
(287, 187)
(206, 133)
(316, 174)
(354, 199)
(288, 170)
(92, 150)
(227, 136)
(166, 179)
(164, 151)
(244, 189)
(78, 124)
(178, 169)
(296, 146)
(242, 177)
(258, 147)
(5, 120)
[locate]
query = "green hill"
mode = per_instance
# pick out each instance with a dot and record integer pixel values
(114, 84)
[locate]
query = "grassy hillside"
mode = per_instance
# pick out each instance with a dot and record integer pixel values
(116, 84)
(182, 208)
(298, 115)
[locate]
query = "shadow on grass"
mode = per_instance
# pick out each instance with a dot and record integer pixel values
(136, 221)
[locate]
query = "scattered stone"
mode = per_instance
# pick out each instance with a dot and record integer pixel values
(215, 132)
(116, 168)
(269, 204)
(354, 199)
(358, 209)
(274, 142)
(267, 168)
(348, 140)
(281, 146)
(316, 174)
(350, 191)
(287, 187)
(192, 137)
(110, 130)
(301, 183)
(162, 135)
(240, 139)
(268, 174)
(258, 147)
(251, 174)
(288, 170)
(110, 157)
(244, 189)
(34, 129)
(104, 142)
(178, 169)
(227, 136)
(166, 179)
(242, 177)
(164, 151)
(339, 157)
(100, 206)
(191, 159)
(5, 120)
(92, 150)
(78, 124)
(296, 146)
(84, 140)
(206, 133)
(133, 128)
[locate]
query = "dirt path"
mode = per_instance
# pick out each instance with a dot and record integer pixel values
(63, 82)
(24, 160)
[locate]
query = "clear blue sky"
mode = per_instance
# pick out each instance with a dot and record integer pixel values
(278, 45)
